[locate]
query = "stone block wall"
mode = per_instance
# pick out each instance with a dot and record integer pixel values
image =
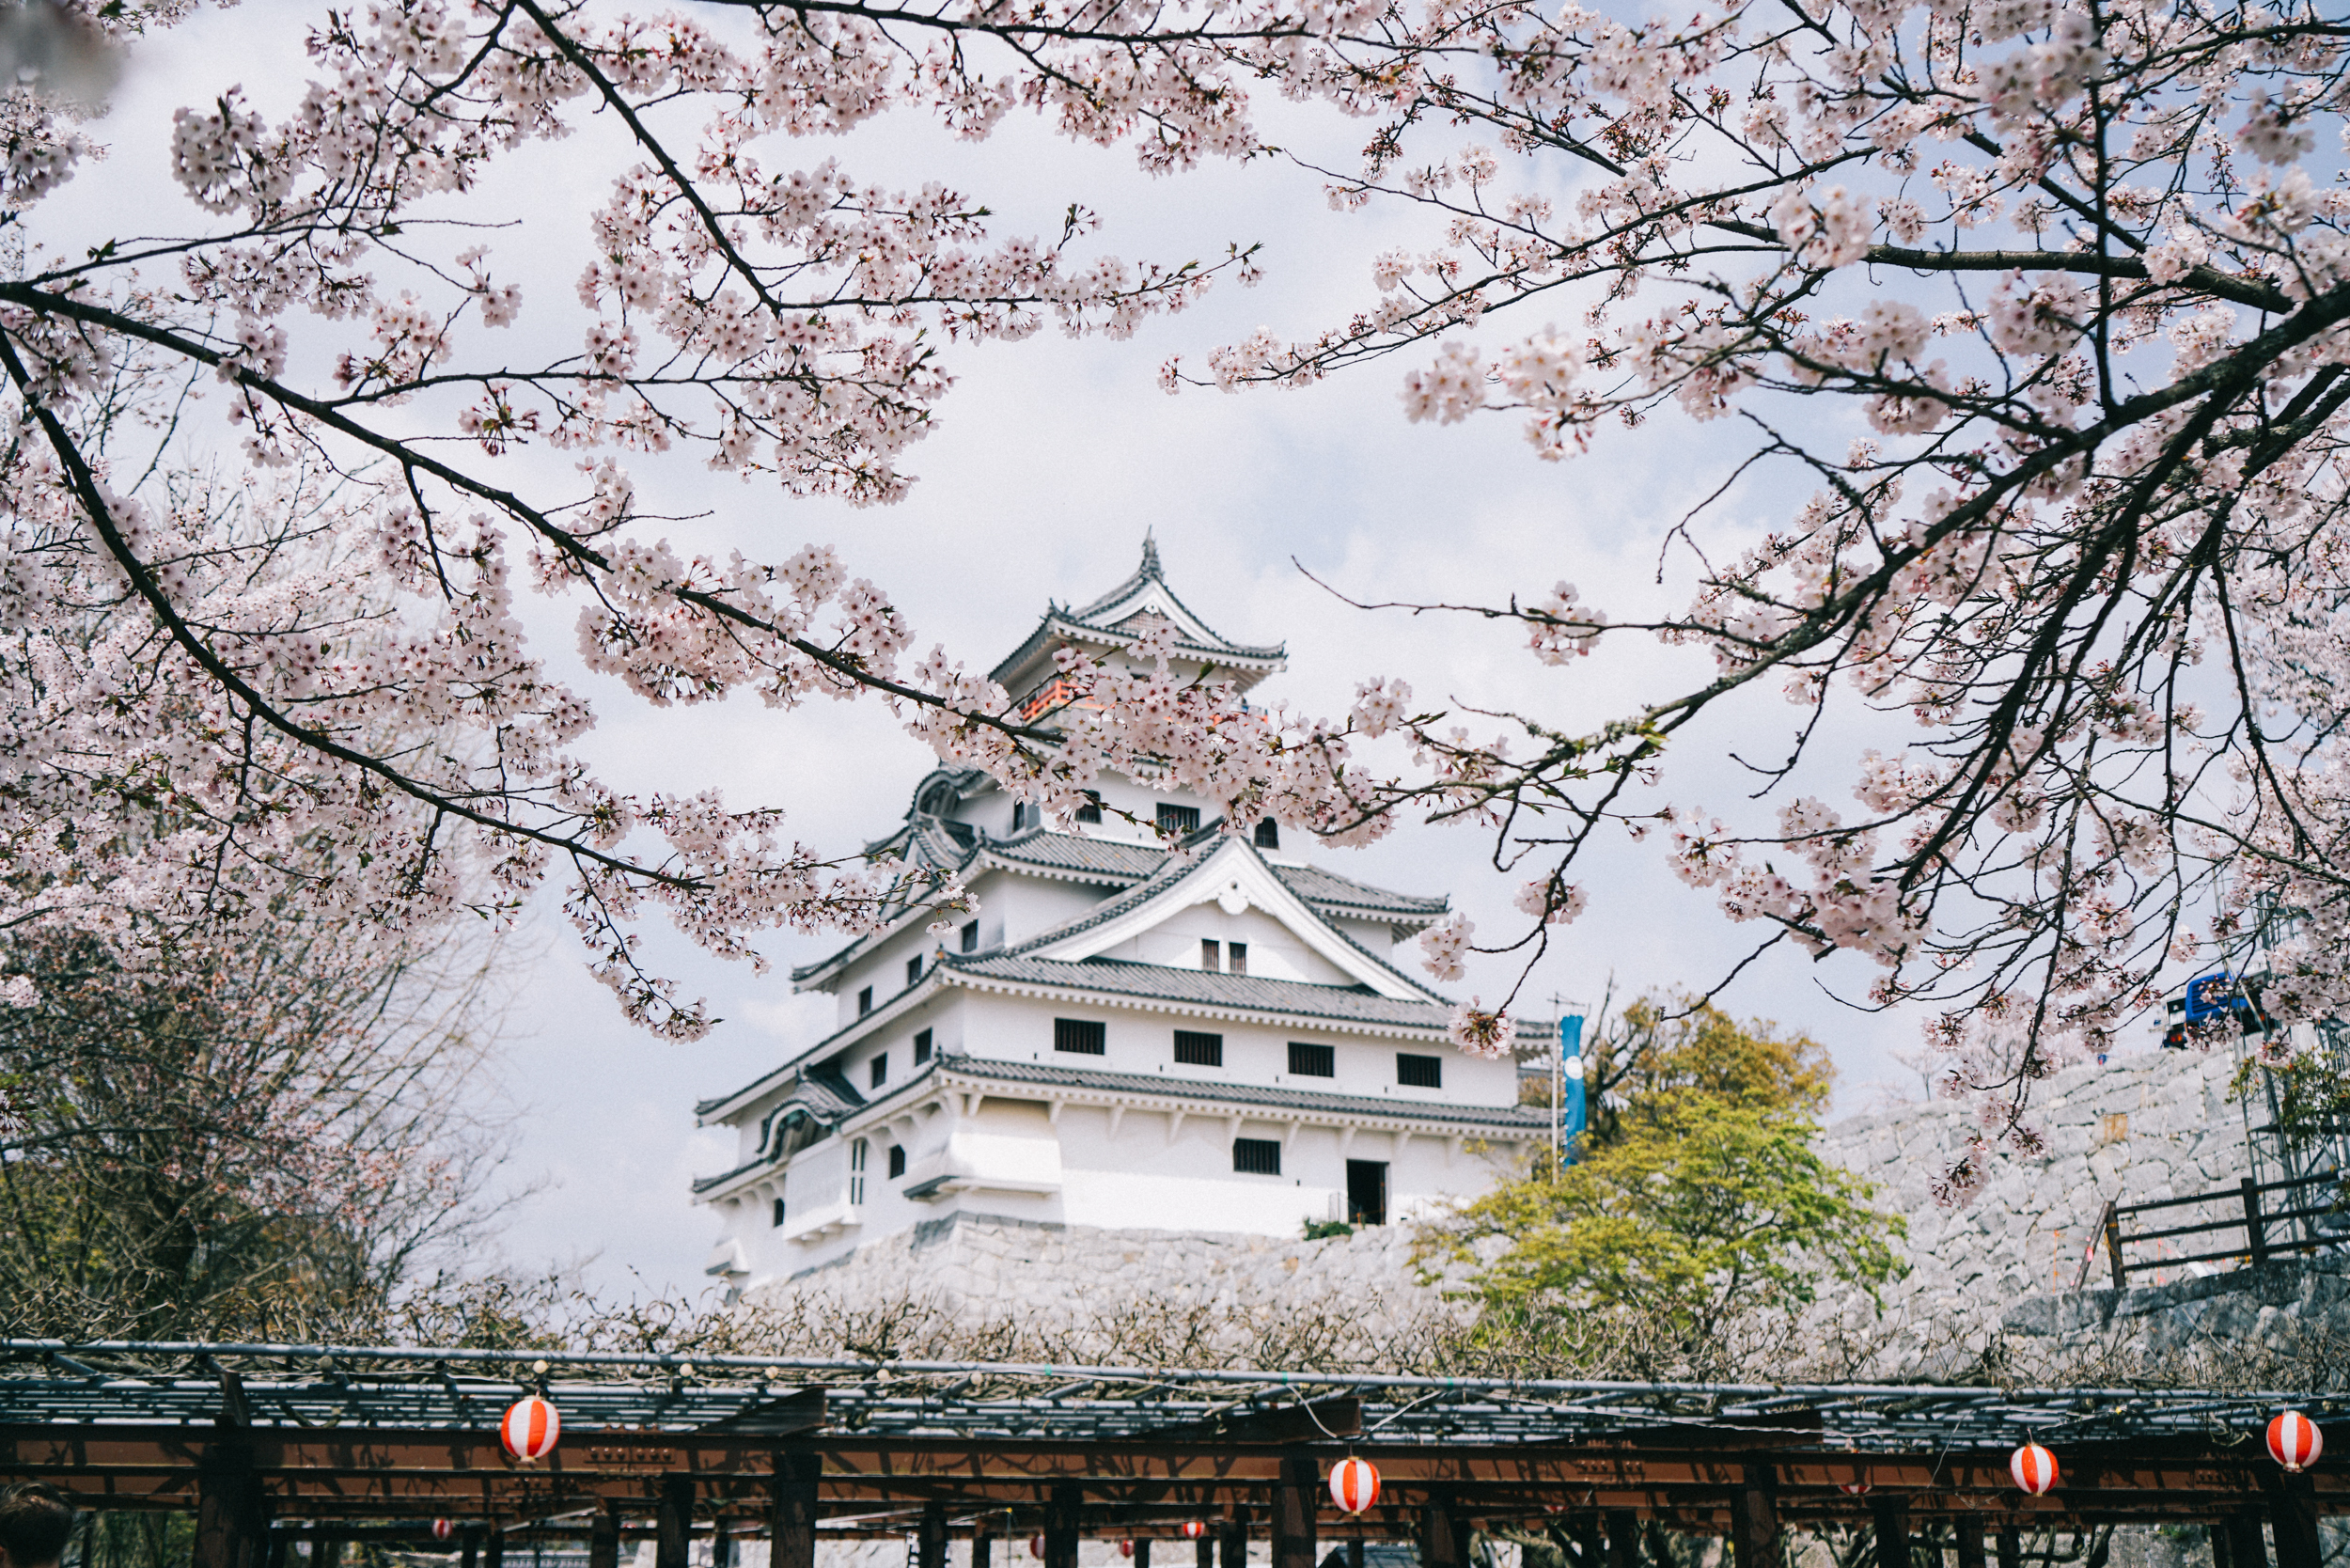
(1060, 1278)
(2150, 1125)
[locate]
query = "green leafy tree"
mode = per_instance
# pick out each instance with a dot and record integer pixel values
(1696, 1198)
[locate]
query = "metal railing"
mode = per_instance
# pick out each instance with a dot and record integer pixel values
(2254, 1226)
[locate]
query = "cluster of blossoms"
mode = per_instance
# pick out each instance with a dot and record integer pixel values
(2102, 367)
(305, 690)
(2085, 279)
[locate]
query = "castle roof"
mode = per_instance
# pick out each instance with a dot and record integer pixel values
(1109, 622)
(927, 842)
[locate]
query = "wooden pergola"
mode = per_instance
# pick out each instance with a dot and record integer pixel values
(269, 1445)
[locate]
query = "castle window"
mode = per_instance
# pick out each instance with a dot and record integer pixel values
(777, 1221)
(880, 1070)
(1178, 818)
(1313, 1062)
(1269, 834)
(971, 936)
(913, 968)
(1257, 1156)
(897, 1161)
(921, 1047)
(1019, 815)
(1211, 955)
(1198, 1050)
(1419, 1072)
(865, 1002)
(1083, 1036)
(857, 1152)
(1236, 957)
(1092, 811)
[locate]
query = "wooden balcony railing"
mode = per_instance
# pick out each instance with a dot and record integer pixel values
(2252, 1226)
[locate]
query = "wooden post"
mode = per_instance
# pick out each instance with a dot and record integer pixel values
(1207, 1550)
(672, 1522)
(2113, 1248)
(1754, 1521)
(1623, 1539)
(931, 1538)
(2218, 1533)
(2292, 1518)
(1293, 1513)
(2255, 1232)
(604, 1536)
(791, 1518)
(228, 1515)
(2246, 1547)
(1142, 1553)
(1061, 1524)
(1590, 1547)
(1354, 1553)
(983, 1546)
(1235, 1539)
(1968, 1529)
(1440, 1534)
(468, 1555)
(326, 1551)
(2010, 1547)
(1892, 1516)
(280, 1544)
(493, 1552)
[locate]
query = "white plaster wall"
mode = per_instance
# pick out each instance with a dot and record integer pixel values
(1020, 1028)
(1142, 1178)
(1151, 1176)
(1273, 952)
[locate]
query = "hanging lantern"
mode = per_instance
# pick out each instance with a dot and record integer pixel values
(1854, 1487)
(1194, 1530)
(530, 1429)
(1125, 1548)
(1036, 1547)
(1354, 1485)
(443, 1530)
(2295, 1442)
(2034, 1468)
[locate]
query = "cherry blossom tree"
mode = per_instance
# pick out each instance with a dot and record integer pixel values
(265, 530)
(2042, 301)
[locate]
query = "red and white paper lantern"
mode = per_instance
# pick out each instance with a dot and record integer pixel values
(530, 1429)
(1854, 1487)
(443, 1530)
(1036, 1547)
(2034, 1468)
(1194, 1529)
(1125, 1548)
(1354, 1485)
(2294, 1441)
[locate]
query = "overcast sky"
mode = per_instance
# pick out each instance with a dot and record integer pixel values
(1050, 461)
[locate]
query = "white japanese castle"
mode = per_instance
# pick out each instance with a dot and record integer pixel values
(1136, 1031)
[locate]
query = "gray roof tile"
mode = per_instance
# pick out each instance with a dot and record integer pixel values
(1509, 1117)
(1329, 892)
(1252, 993)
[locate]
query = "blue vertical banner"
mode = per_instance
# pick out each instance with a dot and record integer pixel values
(1572, 1117)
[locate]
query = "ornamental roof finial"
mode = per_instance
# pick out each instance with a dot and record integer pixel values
(1151, 557)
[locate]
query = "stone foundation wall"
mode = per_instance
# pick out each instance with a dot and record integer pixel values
(1058, 1277)
(2155, 1124)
